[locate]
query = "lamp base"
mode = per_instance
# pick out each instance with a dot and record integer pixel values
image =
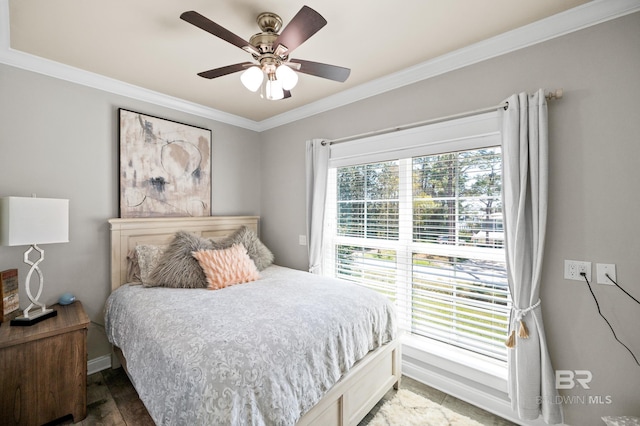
(34, 318)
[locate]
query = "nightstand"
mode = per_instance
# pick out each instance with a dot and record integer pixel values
(44, 368)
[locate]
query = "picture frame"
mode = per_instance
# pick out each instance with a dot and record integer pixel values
(165, 167)
(9, 295)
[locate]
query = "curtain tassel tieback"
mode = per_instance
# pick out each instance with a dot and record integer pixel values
(523, 331)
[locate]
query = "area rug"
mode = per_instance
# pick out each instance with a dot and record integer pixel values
(408, 409)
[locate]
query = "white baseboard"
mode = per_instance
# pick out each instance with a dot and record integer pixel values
(488, 399)
(98, 364)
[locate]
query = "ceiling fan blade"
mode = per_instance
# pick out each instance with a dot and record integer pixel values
(318, 69)
(306, 23)
(229, 69)
(209, 26)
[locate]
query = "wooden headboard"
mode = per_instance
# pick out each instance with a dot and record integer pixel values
(126, 234)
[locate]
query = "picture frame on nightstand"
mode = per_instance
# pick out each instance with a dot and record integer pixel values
(9, 295)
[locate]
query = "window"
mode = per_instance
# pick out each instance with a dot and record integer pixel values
(427, 232)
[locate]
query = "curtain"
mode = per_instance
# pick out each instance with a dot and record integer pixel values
(525, 186)
(317, 166)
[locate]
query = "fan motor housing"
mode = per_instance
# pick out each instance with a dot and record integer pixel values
(263, 41)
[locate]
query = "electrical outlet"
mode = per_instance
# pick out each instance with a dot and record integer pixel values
(573, 269)
(302, 240)
(604, 269)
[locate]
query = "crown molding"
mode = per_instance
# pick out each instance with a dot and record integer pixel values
(572, 20)
(64, 72)
(575, 19)
(61, 71)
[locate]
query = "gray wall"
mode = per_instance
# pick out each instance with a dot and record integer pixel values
(60, 140)
(593, 202)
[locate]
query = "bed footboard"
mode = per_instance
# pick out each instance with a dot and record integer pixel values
(349, 400)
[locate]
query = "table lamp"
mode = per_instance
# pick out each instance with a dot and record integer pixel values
(32, 221)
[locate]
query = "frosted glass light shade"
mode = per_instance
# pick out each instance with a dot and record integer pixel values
(252, 78)
(273, 90)
(30, 220)
(287, 76)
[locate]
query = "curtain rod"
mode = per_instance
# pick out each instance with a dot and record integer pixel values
(556, 94)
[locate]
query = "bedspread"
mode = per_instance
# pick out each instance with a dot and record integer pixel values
(258, 353)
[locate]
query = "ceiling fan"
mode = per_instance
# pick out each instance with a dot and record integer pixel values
(271, 51)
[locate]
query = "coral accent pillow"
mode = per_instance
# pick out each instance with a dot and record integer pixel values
(226, 267)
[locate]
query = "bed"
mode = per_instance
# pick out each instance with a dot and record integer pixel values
(267, 371)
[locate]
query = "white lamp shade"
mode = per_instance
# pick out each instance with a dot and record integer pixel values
(252, 78)
(287, 76)
(30, 220)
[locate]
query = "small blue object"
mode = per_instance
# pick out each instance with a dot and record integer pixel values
(66, 299)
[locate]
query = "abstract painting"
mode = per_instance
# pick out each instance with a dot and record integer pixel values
(165, 167)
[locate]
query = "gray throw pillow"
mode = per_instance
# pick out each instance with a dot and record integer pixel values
(257, 251)
(177, 268)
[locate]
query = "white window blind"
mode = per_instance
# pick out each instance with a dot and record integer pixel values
(426, 231)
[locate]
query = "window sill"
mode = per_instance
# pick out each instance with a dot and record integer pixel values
(476, 379)
(470, 366)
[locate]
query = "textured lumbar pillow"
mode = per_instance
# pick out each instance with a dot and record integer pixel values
(227, 267)
(148, 257)
(257, 251)
(177, 268)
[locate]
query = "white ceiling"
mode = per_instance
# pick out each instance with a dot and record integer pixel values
(145, 44)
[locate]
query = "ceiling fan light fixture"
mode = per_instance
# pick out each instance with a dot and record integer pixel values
(252, 78)
(271, 50)
(287, 76)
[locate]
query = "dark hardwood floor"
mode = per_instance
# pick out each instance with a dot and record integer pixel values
(113, 401)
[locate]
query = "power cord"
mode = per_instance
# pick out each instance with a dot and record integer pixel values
(618, 285)
(584, 275)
